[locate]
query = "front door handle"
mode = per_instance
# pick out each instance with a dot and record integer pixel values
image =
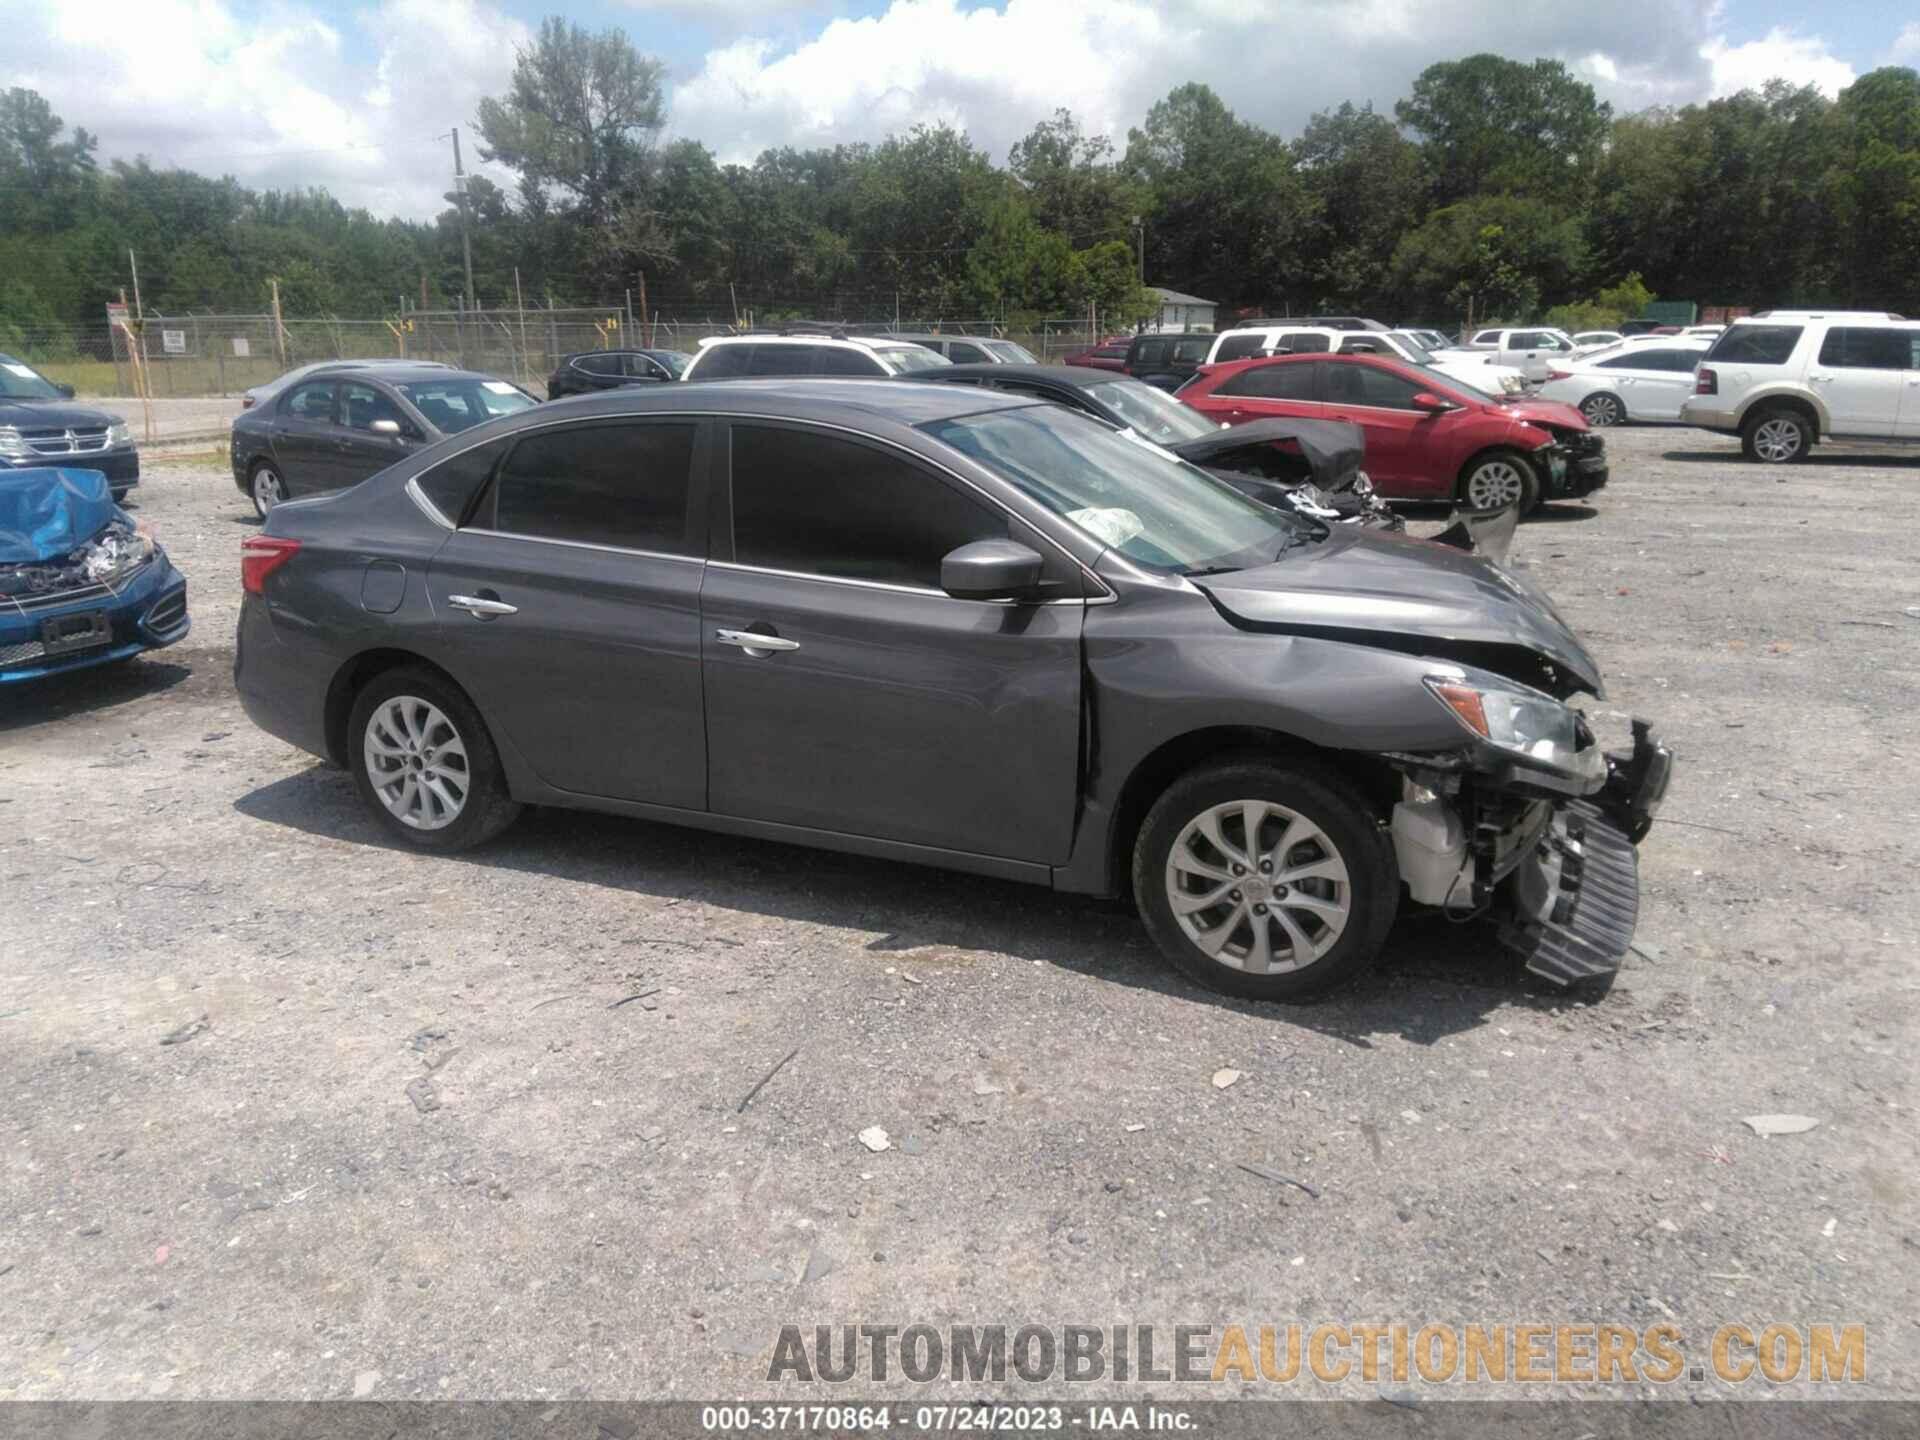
(755, 644)
(480, 607)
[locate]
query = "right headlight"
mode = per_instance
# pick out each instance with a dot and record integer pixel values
(1525, 722)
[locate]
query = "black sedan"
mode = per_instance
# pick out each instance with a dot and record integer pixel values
(334, 430)
(594, 370)
(960, 629)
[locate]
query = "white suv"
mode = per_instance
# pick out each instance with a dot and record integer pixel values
(1782, 379)
(745, 357)
(1271, 339)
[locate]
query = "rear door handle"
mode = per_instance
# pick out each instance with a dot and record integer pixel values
(754, 643)
(480, 607)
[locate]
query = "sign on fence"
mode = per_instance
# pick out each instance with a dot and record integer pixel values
(242, 348)
(173, 342)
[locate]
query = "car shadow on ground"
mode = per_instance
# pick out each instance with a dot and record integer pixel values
(74, 692)
(1903, 458)
(1436, 978)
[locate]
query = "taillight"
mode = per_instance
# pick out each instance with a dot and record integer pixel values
(246, 402)
(260, 556)
(1554, 374)
(1705, 382)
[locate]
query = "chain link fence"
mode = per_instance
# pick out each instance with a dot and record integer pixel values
(202, 356)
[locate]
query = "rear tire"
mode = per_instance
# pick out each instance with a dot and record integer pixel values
(424, 763)
(1500, 478)
(265, 487)
(1246, 931)
(1603, 409)
(1777, 436)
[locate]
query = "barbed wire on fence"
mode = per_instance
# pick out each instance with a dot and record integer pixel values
(203, 355)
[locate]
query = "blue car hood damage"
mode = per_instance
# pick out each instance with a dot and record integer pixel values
(49, 513)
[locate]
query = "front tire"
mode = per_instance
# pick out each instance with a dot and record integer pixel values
(1498, 479)
(265, 488)
(424, 763)
(1603, 409)
(1776, 437)
(1271, 882)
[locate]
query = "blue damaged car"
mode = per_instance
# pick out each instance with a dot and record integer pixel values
(80, 583)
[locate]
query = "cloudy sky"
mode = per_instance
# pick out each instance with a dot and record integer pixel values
(358, 95)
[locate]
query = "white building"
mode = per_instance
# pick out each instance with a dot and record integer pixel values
(1180, 312)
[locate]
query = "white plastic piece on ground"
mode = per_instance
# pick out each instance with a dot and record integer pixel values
(1430, 843)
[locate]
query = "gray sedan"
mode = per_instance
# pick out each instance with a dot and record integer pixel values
(961, 629)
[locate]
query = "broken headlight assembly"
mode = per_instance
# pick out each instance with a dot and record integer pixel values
(1523, 722)
(107, 559)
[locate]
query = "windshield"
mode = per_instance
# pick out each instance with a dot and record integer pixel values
(1011, 353)
(1151, 411)
(1452, 381)
(455, 405)
(1411, 347)
(902, 358)
(676, 361)
(23, 382)
(1125, 492)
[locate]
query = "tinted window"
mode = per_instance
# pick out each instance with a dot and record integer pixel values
(1274, 382)
(1636, 359)
(452, 484)
(361, 405)
(1151, 352)
(961, 353)
(1756, 344)
(598, 364)
(1525, 340)
(1191, 351)
(783, 359)
(1239, 347)
(622, 485)
(832, 361)
(1365, 385)
(1862, 347)
(821, 505)
(313, 401)
(1302, 342)
(724, 362)
(1487, 337)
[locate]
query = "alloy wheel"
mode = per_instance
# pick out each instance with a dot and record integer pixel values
(1777, 439)
(1601, 410)
(1495, 483)
(268, 491)
(1258, 887)
(417, 763)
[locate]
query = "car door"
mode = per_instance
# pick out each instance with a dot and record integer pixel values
(568, 606)
(1264, 392)
(303, 436)
(1662, 380)
(878, 705)
(359, 449)
(1861, 373)
(1399, 458)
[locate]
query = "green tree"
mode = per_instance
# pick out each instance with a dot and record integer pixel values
(1495, 257)
(1878, 121)
(1364, 189)
(582, 117)
(1488, 124)
(1073, 182)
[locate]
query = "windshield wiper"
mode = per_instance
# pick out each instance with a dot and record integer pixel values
(1211, 570)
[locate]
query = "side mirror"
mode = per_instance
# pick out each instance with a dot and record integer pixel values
(990, 570)
(1431, 403)
(389, 428)
(66, 391)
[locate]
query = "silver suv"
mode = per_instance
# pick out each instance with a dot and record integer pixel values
(1783, 379)
(807, 352)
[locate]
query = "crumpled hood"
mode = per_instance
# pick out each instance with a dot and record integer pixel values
(54, 414)
(46, 513)
(1547, 412)
(1368, 587)
(1333, 449)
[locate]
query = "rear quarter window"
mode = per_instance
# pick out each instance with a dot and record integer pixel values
(1756, 344)
(723, 362)
(1239, 347)
(452, 484)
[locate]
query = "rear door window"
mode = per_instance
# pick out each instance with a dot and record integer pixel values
(1239, 347)
(830, 360)
(624, 484)
(1756, 344)
(1866, 347)
(819, 505)
(963, 353)
(312, 401)
(598, 364)
(1276, 382)
(1370, 386)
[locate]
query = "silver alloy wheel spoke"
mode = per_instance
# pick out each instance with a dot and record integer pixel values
(1304, 888)
(1777, 439)
(1494, 483)
(417, 763)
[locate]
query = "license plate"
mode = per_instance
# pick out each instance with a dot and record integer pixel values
(66, 633)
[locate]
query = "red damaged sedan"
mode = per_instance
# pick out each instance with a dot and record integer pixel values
(1429, 436)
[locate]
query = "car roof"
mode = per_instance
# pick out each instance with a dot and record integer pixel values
(401, 374)
(1074, 377)
(859, 342)
(900, 400)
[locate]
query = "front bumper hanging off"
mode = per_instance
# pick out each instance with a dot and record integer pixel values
(1577, 896)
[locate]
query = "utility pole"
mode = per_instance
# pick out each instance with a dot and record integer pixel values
(279, 330)
(520, 304)
(134, 265)
(1140, 233)
(460, 195)
(646, 325)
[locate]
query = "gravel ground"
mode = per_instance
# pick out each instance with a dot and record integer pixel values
(290, 1113)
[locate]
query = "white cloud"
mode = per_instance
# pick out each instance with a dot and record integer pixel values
(1905, 49)
(295, 95)
(1799, 59)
